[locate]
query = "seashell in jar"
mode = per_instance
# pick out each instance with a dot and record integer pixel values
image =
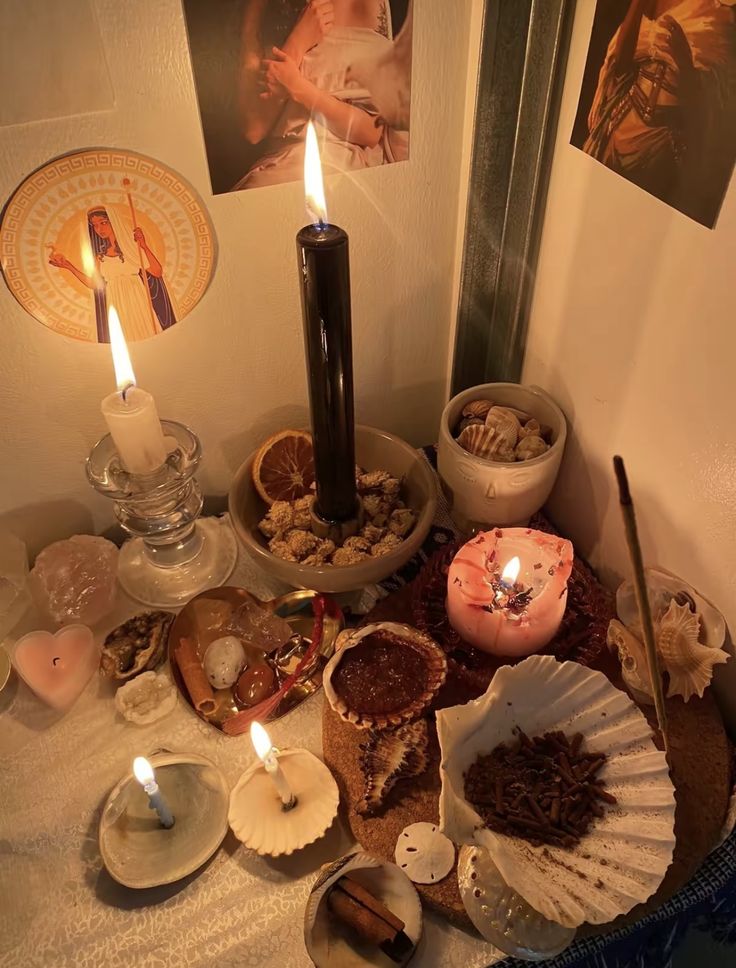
(507, 427)
(468, 422)
(478, 440)
(530, 429)
(530, 447)
(688, 662)
(477, 408)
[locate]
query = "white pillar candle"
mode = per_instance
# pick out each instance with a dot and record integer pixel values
(507, 590)
(130, 413)
(267, 754)
(144, 774)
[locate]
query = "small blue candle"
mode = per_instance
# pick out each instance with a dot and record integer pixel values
(147, 778)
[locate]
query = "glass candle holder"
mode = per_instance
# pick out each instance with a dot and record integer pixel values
(172, 554)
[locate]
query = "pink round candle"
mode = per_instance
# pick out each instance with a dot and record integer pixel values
(496, 617)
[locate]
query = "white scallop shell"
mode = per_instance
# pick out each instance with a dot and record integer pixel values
(502, 915)
(478, 440)
(256, 815)
(507, 427)
(327, 947)
(623, 859)
(477, 408)
(423, 853)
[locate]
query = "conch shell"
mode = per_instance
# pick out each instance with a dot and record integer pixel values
(689, 664)
(477, 408)
(530, 447)
(388, 756)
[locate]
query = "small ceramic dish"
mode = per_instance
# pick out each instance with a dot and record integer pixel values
(330, 944)
(295, 609)
(136, 850)
(258, 818)
(374, 450)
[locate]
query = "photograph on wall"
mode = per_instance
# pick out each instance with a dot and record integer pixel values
(658, 99)
(263, 68)
(106, 227)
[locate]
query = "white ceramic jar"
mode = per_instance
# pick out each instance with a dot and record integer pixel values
(484, 492)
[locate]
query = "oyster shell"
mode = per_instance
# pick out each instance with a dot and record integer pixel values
(388, 756)
(478, 440)
(477, 408)
(689, 664)
(137, 645)
(530, 447)
(400, 693)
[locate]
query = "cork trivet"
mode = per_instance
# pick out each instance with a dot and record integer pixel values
(700, 767)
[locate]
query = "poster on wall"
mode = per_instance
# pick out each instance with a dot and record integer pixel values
(658, 99)
(262, 68)
(106, 227)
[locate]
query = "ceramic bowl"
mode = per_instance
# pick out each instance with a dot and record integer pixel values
(374, 450)
(482, 492)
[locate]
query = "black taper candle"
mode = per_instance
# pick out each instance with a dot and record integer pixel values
(324, 272)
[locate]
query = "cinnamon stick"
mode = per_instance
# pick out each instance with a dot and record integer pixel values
(198, 687)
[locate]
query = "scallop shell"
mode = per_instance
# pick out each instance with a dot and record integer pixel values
(689, 664)
(530, 447)
(391, 755)
(501, 915)
(477, 408)
(256, 814)
(436, 663)
(469, 422)
(507, 427)
(478, 440)
(329, 948)
(623, 859)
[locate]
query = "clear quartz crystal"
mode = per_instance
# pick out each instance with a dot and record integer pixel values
(75, 580)
(14, 595)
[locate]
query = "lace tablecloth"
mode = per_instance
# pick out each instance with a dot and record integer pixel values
(58, 906)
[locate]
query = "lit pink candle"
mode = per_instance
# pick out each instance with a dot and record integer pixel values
(507, 590)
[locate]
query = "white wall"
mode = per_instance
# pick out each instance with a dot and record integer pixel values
(234, 368)
(633, 331)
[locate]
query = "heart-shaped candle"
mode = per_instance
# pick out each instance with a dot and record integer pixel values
(57, 667)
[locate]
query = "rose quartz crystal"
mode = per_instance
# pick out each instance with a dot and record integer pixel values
(75, 580)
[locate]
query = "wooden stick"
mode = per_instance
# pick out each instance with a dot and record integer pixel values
(126, 186)
(642, 598)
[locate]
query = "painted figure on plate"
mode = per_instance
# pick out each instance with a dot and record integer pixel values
(335, 61)
(120, 269)
(658, 98)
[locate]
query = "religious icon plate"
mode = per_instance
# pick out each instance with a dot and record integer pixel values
(103, 227)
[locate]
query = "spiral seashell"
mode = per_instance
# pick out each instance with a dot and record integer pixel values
(507, 427)
(530, 447)
(391, 755)
(688, 662)
(477, 408)
(478, 440)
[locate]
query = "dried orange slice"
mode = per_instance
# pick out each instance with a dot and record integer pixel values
(284, 467)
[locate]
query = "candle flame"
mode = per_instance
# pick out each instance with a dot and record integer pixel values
(314, 189)
(124, 375)
(261, 740)
(511, 571)
(143, 770)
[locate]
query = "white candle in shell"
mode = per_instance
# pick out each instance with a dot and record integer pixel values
(130, 413)
(267, 754)
(143, 772)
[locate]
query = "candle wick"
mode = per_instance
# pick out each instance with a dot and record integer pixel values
(124, 391)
